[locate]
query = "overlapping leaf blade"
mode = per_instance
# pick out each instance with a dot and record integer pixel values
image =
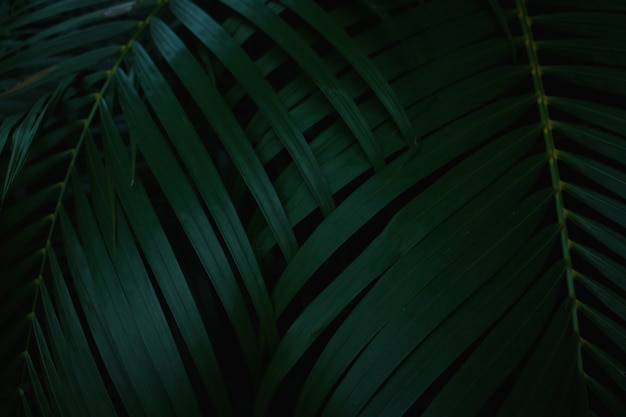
(436, 279)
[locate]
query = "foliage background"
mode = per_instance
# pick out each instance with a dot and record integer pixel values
(327, 208)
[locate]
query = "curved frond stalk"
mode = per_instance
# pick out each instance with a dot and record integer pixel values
(553, 156)
(86, 123)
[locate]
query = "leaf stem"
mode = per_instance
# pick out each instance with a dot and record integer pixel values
(124, 50)
(546, 122)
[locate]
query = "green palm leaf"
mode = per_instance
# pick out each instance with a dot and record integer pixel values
(361, 208)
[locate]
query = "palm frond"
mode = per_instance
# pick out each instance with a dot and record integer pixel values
(359, 208)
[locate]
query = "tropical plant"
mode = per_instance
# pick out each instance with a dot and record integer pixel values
(372, 208)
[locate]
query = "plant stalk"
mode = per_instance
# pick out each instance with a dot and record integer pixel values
(63, 187)
(552, 151)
